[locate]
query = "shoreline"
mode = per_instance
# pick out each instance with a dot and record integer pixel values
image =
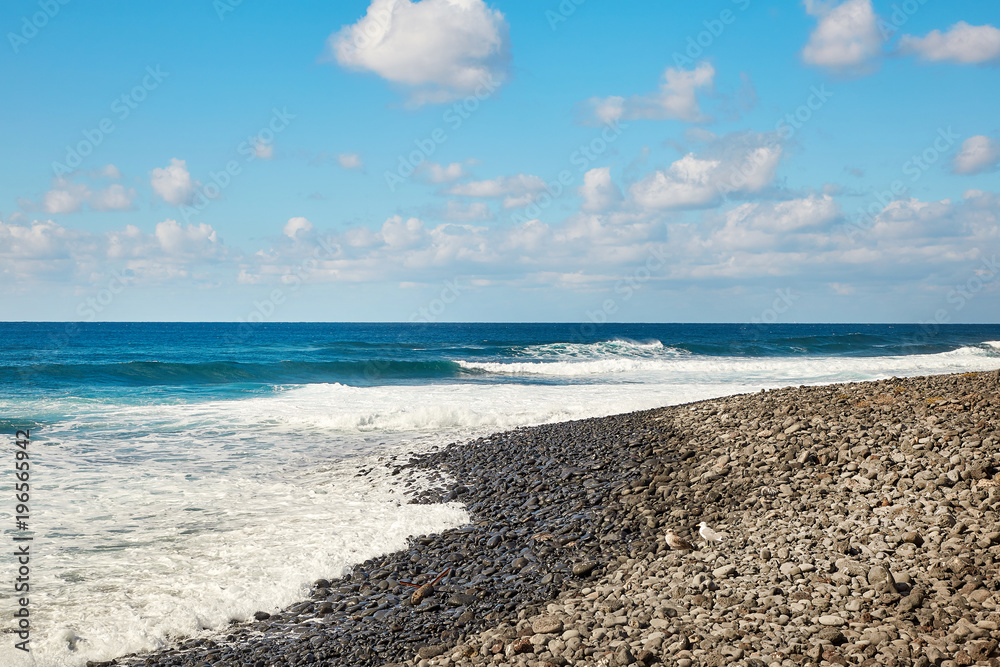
(564, 561)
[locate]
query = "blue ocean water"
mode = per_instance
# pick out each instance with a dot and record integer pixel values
(186, 474)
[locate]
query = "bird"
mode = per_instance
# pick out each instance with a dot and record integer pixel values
(708, 534)
(676, 542)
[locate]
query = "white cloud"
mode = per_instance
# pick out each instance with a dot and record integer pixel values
(110, 171)
(784, 217)
(296, 225)
(741, 165)
(962, 43)
(49, 251)
(173, 183)
(978, 154)
(599, 192)
(847, 38)
(43, 239)
(675, 100)
(65, 196)
(436, 173)
(176, 239)
(69, 196)
(518, 190)
(440, 49)
(402, 234)
(263, 150)
(473, 212)
(113, 198)
(350, 161)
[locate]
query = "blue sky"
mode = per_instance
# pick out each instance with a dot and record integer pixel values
(452, 160)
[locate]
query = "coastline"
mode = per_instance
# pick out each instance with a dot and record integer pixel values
(860, 527)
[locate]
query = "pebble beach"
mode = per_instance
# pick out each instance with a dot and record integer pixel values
(859, 523)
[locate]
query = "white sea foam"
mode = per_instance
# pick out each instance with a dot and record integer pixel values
(723, 369)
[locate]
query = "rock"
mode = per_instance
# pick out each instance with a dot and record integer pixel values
(522, 645)
(261, 615)
(831, 620)
(879, 574)
(832, 635)
(646, 658)
(583, 569)
(724, 571)
(547, 625)
(428, 652)
(790, 569)
(911, 602)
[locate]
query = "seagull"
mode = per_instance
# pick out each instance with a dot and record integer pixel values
(676, 542)
(708, 534)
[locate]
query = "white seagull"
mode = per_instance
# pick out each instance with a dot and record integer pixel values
(676, 542)
(708, 534)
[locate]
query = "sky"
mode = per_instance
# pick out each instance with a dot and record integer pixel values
(462, 160)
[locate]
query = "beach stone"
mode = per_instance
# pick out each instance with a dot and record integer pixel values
(911, 602)
(522, 645)
(428, 652)
(724, 571)
(831, 620)
(547, 625)
(897, 598)
(790, 569)
(583, 569)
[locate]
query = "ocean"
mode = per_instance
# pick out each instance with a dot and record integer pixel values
(183, 475)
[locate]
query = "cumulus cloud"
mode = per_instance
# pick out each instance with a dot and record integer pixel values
(113, 198)
(962, 43)
(350, 161)
(433, 172)
(65, 197)
(46, 250)
(439, 49)
(599, 191)
(736, 165)
(41, 239)
(177, 239)
(173, 183)
(846, 40)
(517, 190)
(69, 195)
(472, 212)
(675, 100)
(296, 225)
(978, 154)
(768, 224)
